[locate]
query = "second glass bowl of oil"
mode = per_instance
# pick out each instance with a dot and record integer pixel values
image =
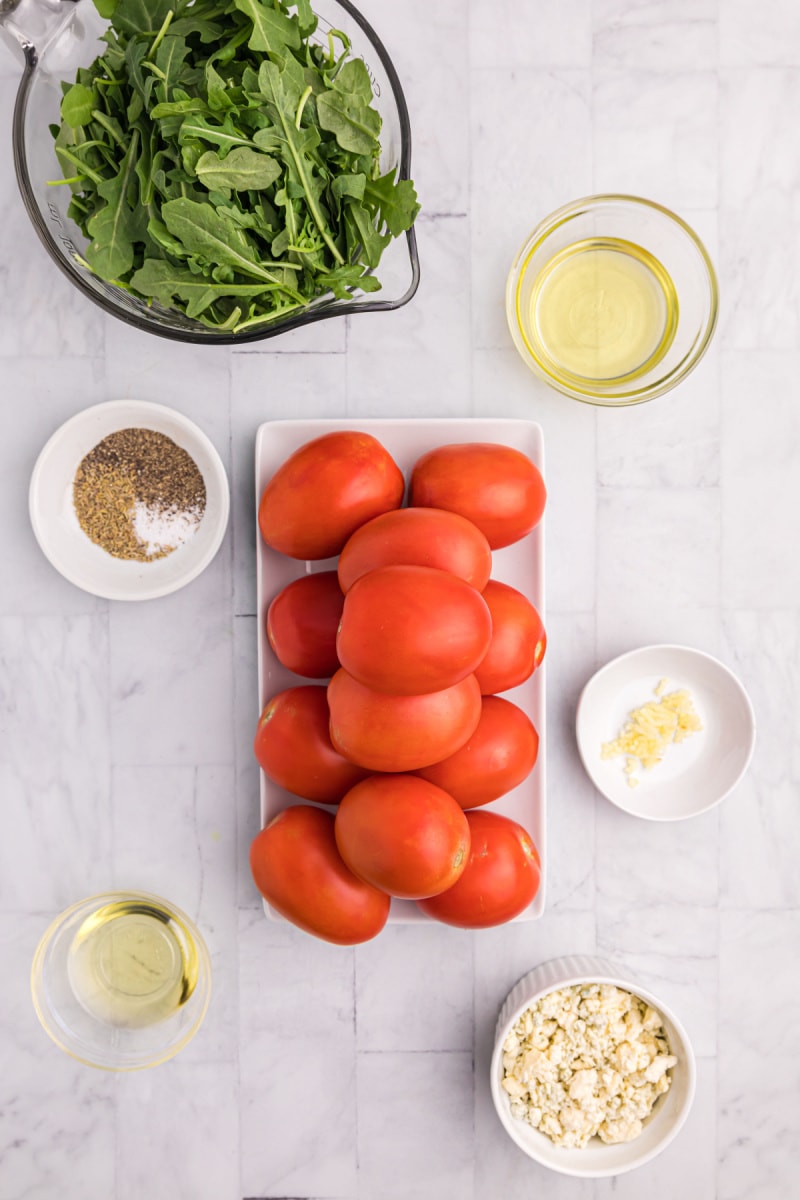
(612, 300)
(121, 980)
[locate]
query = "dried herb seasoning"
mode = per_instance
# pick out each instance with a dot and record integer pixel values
(138, 495)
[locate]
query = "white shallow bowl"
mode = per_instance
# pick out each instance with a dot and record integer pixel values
(671, 1110)
(56, 526)
(694, 774)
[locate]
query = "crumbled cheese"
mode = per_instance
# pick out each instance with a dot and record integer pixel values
(586, 1061)
(651, 729)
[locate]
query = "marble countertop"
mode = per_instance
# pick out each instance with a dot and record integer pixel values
(125, 730)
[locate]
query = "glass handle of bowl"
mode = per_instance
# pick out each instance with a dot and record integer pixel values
(28, 26)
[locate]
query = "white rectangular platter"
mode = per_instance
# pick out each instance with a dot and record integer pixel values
(521, 566)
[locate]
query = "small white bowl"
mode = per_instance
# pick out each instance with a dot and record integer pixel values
(694, 774)
(597, 1159)
(56, 526)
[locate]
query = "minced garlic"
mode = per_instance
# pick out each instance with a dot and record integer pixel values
(651, 729)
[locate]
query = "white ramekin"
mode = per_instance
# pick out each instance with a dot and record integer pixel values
(671, 1110)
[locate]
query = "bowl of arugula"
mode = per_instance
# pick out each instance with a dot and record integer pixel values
(216, 171)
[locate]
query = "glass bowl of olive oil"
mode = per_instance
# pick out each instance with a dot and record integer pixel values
(612, 300)
(121, 980)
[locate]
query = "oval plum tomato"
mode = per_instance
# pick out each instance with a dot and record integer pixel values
(496, 487)
(518, 639)
(408, 630)
(501, 753)
(499, 881)
(302, 622)
(300, 872)
(423, 537)
(402, 835)
(294, 750)
(325, 490)
(400, 733)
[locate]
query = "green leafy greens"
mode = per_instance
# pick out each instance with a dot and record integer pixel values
(224, 163)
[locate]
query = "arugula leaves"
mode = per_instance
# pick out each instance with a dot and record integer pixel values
(225, 163)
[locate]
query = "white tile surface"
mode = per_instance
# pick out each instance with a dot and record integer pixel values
(773, 40)
(758, 1139)
(757, 206)
(760, 483)
(394, 977)
(160, 654)
(571, 797)
(55, 792)
(759, 827)
(196, 1140)
(657, 552)
(417, 361)
(655, 135)
(297, 1097)
(126, 731)
(246, 778)
(509, 34)
(656, 35)
(406, 1147)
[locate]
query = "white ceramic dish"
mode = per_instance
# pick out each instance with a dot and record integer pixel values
(597, 1159)
(66, 545)
(694, 774)
(520, 565)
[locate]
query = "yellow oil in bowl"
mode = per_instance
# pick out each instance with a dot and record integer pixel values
(601, 310)
(132, 964)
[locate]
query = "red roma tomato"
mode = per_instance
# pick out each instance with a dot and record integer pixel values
(325, 490)
(496, 487)
(302, 622)
(501, 753)
(499, 881)
(293, 746)
(400, 733)
(403, 835)
(299, 871)
(423, 537)
(408, 630)
(518, 639)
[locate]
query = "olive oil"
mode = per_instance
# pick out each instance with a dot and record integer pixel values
(601, 310)
(132, 964)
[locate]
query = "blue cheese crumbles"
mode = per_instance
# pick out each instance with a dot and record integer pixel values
(585, 1061)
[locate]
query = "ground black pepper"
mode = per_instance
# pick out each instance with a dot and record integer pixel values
(138, 494)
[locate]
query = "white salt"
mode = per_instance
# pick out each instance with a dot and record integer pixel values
(161, 530)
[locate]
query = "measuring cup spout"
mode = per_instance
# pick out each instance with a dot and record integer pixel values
(28, 26)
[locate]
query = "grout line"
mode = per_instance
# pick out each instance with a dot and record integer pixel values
(465, 1050)
(236, 959)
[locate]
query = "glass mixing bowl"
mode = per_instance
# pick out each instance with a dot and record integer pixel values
(56, 37)
(612, 300)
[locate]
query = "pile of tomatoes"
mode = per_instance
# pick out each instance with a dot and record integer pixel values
(408, 738)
